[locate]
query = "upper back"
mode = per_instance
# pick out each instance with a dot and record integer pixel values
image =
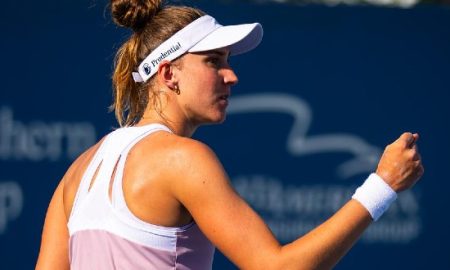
(145, 171)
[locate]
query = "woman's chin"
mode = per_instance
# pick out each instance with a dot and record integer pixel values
(216, 119)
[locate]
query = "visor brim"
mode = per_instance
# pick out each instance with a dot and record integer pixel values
(239, 38)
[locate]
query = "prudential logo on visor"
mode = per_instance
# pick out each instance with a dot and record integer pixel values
(147, 69)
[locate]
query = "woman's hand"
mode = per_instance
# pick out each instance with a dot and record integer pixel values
(400, 165)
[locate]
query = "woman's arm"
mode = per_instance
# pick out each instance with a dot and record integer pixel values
(203, 187)
(54, 252)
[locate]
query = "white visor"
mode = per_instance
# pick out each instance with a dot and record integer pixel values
(203, 34)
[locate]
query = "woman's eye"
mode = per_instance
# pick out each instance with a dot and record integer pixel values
(214, 61)
(217, 61)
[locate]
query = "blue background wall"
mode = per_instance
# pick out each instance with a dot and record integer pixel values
(317, 102)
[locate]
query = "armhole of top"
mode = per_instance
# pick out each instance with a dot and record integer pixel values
(88, 178)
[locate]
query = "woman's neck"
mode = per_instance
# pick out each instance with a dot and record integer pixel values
(179, 127)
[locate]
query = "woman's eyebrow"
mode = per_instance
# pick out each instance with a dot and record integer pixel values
(218, 53)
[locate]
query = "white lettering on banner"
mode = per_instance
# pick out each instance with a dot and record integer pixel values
(38, 141)
(11, 203)
(270, 195)
(291, 211)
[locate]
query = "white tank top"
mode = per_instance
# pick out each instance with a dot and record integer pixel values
(105, 235)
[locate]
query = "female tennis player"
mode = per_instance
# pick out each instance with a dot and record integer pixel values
(147, 196)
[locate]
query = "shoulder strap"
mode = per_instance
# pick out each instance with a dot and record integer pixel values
(118, 199)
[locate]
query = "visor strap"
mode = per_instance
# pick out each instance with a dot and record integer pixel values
(176, 46)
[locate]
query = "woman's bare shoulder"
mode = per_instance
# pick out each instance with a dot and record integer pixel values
(173, 150)
(173, 158)
(80, 164)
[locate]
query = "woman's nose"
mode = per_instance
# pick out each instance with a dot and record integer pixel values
(229, 77)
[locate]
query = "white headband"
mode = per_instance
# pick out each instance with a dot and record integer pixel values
(203, 34)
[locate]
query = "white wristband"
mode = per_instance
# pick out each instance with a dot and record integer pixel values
(375, 195)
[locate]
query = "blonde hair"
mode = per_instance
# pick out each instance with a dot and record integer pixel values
(152, 23)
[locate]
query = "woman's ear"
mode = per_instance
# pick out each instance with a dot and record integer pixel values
(166, 76)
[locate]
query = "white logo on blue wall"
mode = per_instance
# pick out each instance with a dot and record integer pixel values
(147, 69)
(293, 209)
(299, 143)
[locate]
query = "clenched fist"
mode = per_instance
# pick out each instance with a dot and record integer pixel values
(400, 165)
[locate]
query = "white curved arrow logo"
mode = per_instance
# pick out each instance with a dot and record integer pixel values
(299, 143)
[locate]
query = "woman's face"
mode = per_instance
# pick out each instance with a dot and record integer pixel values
(205, 81)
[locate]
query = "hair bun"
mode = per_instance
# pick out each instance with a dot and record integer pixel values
(134, 14)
